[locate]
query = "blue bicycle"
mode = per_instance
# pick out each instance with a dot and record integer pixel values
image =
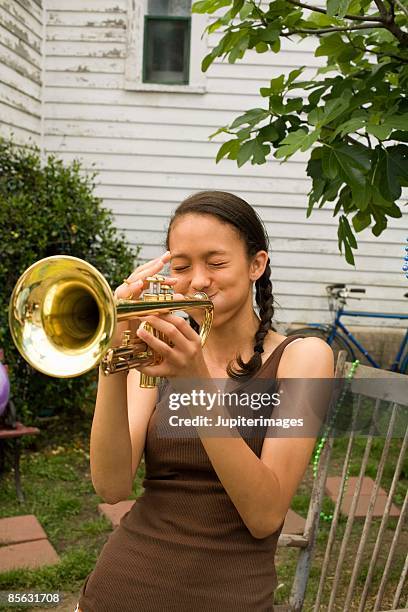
(340, 338)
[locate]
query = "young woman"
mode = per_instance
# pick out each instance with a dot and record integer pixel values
(203, 535)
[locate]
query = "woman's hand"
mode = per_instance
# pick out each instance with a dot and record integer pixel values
(183, 357)
(132, 288)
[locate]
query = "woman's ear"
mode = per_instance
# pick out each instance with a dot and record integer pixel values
(258, 265)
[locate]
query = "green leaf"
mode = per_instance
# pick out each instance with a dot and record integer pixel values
(398, 122)
(261, 47)
(293, 75)
(246, 11)
(207, 61)
(209, 6)
(380, 223)
(379, 131)
(399, 163)
(329, 163)
(245, 152)
(225, 149)
(354, 162)
(278, 85)
(351, 125)
(269, 133)
(300, 140)
(270, 33)
(239, 49)
(253, 116)
(294, 105)
(361, 220)
(275, 45)
(260, 152)
(349, 233)
(331, 45)
(337, 7)
(386, 181)
(335, 107)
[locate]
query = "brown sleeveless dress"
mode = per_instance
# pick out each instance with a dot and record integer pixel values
(183, 545)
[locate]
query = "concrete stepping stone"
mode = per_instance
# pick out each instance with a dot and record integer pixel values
(114, 512)
(294, 523)
(27, 555)
(333, 486)
(16, 529)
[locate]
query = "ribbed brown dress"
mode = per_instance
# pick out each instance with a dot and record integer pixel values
(183, 545)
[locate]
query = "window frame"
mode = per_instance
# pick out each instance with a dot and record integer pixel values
(187, 51)
(134, 63)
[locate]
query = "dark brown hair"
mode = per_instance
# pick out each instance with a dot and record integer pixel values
(231, 209)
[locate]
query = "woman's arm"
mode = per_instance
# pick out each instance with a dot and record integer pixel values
(262, 488)
(122, 410)
(118, 434)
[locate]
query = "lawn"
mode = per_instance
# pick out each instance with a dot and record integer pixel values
(58, 489)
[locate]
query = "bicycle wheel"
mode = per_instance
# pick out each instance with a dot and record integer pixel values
(404, 365)
(337, 345)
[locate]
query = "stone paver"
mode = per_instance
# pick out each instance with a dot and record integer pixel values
(294, 523)
(16, 529)
(28, 554)
(332, 489)
(114, 512)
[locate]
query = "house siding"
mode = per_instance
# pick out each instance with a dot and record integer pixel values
(151, 150)
(21, 39)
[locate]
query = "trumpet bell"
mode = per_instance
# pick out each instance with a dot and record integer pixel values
(62, 315)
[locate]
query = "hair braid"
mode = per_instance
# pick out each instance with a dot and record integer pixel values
(264, 299)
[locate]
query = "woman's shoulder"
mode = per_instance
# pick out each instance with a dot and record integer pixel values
(306, 357)
(274, 341)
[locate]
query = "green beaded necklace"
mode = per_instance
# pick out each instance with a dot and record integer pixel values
(316, 458)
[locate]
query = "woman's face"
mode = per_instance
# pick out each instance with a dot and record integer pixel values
(209, 255)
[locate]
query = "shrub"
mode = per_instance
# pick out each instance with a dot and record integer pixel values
(48, 208)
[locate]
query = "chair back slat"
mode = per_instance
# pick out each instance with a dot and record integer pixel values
(386, 513)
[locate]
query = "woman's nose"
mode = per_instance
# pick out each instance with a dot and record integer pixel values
(200, 279)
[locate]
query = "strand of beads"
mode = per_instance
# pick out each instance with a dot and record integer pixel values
(405, 265)
(316, 458)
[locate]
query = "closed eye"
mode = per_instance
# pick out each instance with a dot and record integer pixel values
(180, 269)
(217, 265)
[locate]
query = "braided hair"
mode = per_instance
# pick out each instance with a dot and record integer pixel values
(231, 209)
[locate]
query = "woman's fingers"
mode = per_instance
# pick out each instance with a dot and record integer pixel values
(133, 286)
(175, 329)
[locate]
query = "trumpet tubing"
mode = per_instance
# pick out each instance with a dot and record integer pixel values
(63, 315)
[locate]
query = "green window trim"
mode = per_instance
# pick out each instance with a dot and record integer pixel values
(187, 43)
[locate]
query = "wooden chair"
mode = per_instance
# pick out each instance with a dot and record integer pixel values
(359, 582)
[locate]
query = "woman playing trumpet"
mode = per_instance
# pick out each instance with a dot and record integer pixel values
(203, 535)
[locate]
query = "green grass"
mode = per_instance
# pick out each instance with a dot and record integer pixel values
(58, 491)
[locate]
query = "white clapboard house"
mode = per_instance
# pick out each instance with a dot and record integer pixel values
(77, 78)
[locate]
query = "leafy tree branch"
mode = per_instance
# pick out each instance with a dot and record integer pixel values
(316, 9)
(352, 117)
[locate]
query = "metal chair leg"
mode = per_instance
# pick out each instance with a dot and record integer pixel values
(20, 494)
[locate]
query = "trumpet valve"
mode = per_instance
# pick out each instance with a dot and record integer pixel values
(158, 290)
(126, 338)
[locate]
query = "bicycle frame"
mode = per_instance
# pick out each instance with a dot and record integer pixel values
(352, 339)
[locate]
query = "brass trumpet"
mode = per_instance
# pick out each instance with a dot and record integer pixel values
(63, 315)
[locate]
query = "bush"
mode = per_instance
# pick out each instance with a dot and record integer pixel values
(48, 208)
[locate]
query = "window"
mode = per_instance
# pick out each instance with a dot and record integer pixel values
(165, 47)
(167, 42)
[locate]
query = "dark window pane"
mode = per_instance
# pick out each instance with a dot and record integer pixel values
(176, 8)
(166, 50)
